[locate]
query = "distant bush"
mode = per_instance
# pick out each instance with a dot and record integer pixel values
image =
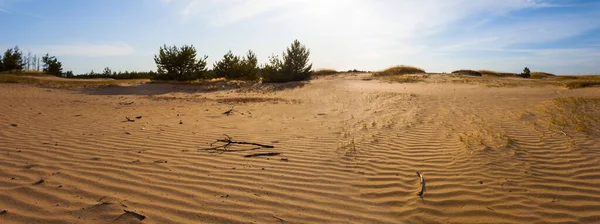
(526, 73)
(294, 66)
(400, 70)
(322, 72)
(179, 64)
(467, 72)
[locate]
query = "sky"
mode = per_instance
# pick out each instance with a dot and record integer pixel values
(557, 36)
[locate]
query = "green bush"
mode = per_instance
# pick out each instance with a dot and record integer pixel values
(179, 64)
(294, 66)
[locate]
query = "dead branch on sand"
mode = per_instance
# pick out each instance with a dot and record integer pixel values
(422, 189)
(228, 141)
(129, 120)
(134, 214)
(262, 154)
(229, 112)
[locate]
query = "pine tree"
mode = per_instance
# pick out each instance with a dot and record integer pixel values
(294, 66)
(526, 73)
(180, 64)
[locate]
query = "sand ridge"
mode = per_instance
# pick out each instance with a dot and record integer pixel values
(349, 149)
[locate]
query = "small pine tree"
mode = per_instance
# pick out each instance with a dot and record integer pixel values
(228, 67)
(52, 65)
(13, 59)
(249, 66)
(69, 74)
(1, 64)
(294, 66)
(179, 63)
(526, 73)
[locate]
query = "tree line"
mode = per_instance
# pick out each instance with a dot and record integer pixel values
(184, 64)
(13, 60)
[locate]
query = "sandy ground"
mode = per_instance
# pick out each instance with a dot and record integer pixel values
(349, 149)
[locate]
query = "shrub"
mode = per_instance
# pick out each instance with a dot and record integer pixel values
(179, 64)
(526, 73)
(467, 72)
(294, 66)
(400, 70)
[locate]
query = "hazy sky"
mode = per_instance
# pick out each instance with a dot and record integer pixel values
(561, 36)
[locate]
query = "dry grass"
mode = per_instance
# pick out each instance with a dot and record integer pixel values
(66, 83)
(579, 81)
(467, 72)
(400, 70)
(583, 84)
(498, 74)
(578, 114)
(541, 75)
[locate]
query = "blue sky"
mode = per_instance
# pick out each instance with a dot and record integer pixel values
(560, 36)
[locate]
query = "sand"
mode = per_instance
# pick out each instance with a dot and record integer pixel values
(349, 152)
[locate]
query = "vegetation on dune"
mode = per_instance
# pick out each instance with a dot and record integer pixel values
(583, 84)
(467, 72)
(179, 63)
(400, 70)
(325, 71)
(541, 75)
(498, 74)
(294, 66)
(233, 67)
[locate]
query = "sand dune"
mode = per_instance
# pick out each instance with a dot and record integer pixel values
(349, 149)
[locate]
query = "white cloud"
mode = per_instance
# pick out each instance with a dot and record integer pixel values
(86, 50)
(378, 33)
